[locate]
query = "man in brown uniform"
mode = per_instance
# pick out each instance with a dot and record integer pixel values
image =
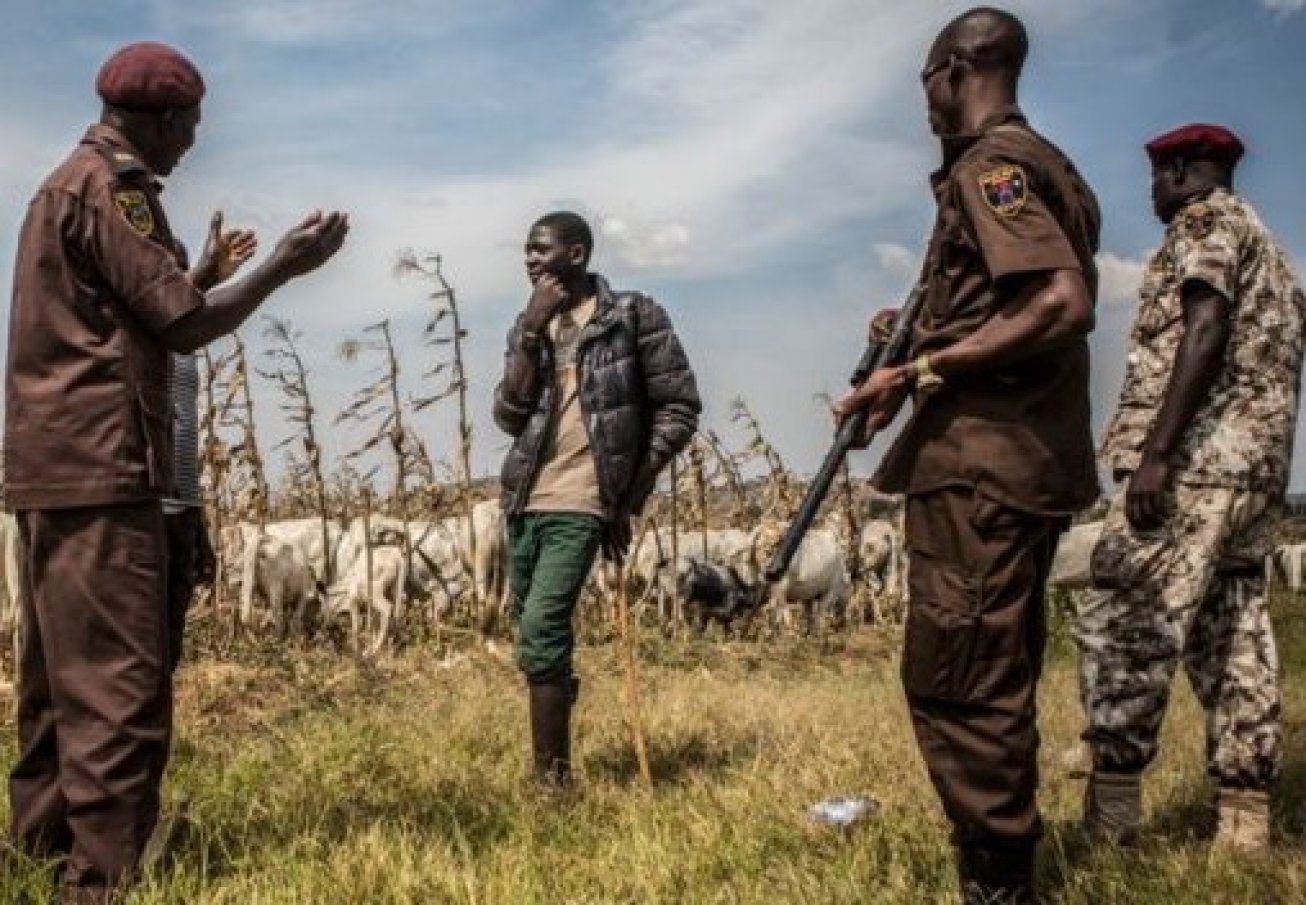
(998, 452)
(100, 297)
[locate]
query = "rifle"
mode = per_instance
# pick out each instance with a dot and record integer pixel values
(880, 353)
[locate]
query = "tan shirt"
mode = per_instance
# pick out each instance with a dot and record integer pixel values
(98, 280)
(568, 481)
(1241, 436)
(1010, 204)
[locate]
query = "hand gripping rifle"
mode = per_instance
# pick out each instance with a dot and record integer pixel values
(880, 353)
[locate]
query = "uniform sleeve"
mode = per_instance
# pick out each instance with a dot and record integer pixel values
(144, 275)
(1206, 248)
(1012, 226)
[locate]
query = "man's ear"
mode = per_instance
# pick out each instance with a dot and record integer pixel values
(576, 255)
(1180, 170)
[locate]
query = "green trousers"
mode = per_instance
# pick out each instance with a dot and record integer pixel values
(549, 557)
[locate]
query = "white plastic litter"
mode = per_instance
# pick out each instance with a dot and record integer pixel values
(842, 812)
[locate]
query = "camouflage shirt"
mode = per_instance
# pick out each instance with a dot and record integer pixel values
(1241, 436)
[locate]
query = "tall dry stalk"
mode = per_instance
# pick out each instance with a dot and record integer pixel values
(786, 491)
(698, 473)
(379, 407)
(239, 411)
(630, 657)
(744, 511)
(215, 459)
(444, 330)
(304, 470)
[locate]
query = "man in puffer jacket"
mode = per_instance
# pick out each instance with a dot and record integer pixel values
(600, 397)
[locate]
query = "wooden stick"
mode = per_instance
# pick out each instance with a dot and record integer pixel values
(627, 640)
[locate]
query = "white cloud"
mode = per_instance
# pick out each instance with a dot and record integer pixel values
(725, 139)
(309, 23)
(1284, 6)
(1119, 279)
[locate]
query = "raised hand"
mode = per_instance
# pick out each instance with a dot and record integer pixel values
(548, 298)
(224, 253)
(311, 244)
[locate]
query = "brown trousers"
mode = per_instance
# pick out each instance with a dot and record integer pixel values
(183, 559)
(972, 657)
(94, 689)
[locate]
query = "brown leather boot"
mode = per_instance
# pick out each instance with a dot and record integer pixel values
(551, 703)
(1113, 807)
(1244, 820)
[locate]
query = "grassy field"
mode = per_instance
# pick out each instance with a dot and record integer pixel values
(315, 778)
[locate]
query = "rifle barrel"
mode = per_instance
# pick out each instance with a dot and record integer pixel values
(877, 355)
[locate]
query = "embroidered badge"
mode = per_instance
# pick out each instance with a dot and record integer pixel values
(1004, 190)
(1198, 221)
(136, 209)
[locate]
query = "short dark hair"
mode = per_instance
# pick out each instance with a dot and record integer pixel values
(991, 37)
(571, 228)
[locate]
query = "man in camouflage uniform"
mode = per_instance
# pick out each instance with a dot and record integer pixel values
(1201, 444)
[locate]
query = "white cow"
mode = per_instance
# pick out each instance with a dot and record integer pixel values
(444, 565)
(883, 558)
(382, 602)
(285, 563)
(817, 581)
(277, 570)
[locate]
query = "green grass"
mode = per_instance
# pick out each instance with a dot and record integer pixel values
(315, 778)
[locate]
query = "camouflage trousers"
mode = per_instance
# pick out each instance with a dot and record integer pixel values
(1192, 590)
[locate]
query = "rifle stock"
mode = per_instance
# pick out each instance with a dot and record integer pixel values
(889, 353)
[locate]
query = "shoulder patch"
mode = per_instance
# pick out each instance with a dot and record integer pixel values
(1197, 220)
(1004, 189)
(134, 206)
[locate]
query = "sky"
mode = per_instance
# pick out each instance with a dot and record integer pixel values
(759, 167)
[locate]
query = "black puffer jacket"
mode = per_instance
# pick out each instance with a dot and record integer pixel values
(637, 394)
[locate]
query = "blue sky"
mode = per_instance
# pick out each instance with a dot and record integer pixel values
(759, 166)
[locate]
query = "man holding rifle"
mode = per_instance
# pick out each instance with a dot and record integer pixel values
(998, 452)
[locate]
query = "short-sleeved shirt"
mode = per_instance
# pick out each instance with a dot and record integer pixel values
(568, 480)
(1241, 436)
(99, 278)
(1010, 205)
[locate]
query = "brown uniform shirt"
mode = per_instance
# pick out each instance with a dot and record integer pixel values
(1009, 204)
(98, 279)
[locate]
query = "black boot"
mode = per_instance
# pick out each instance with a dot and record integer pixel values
(996, 874)
(551, 703)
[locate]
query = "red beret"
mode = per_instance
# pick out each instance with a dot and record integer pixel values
(149, 76)
(1199, 141)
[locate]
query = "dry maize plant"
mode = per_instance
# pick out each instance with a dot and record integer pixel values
(445, 335)
(378, 406)
(247, 477)
(785, 492)
(303, 477)
(744, 511)
(216, 462)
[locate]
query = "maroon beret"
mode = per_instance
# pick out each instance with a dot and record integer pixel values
(149, 76)
(1199, 141)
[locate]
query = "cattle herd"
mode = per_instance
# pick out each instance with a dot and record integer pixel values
(375, 574)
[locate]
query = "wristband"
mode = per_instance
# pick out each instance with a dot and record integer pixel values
(529, 341)
(926, 378)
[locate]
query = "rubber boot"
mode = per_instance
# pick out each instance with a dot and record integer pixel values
(1113, 807)
(551, 703)
(1243, 823)
(996, 874)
